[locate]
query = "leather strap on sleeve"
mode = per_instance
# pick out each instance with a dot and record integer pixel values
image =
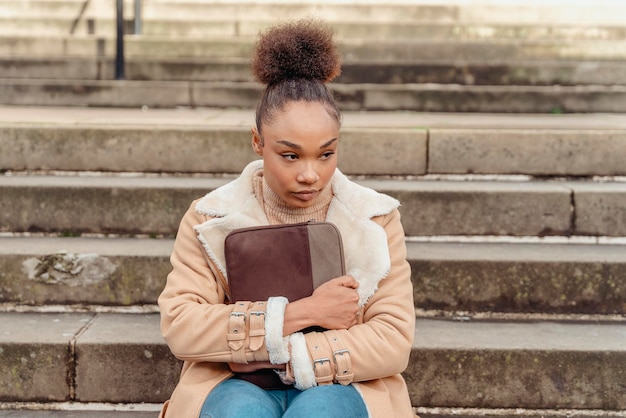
(257, 316)
(323, 364)
(237, 331)
(341, 357)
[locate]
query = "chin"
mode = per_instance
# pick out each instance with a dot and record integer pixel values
(301, 204)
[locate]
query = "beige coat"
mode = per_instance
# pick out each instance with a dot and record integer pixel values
(195, 318)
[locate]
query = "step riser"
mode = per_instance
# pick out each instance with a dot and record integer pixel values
(397, 30)
(532, 152)
(362, 151)
(539, 74)
(520, 282)
(396, 152)
(428, 208)
(584, 280)
(103, 280)
(529, 378)
(480, 376)
(412, 12)
(427, 98)
(376, 50)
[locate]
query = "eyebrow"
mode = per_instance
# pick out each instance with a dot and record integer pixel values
(298, 147)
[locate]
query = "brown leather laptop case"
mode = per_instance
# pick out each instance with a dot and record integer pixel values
(289, 260)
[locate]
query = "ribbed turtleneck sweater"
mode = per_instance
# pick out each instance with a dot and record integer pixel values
(277, 210)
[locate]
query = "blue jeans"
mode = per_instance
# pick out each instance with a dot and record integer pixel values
(236, 398)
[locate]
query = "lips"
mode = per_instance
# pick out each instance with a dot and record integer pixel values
(306, 195)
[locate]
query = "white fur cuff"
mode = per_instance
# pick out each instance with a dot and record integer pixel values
(277, 345)
(301, 363)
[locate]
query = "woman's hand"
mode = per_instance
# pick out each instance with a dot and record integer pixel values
(253, 366)
(336, 303)
(333, 305)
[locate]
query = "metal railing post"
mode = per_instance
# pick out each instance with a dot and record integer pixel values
(137, 17)
(119, 50)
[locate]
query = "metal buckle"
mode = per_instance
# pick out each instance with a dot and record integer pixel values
(239, 314)
(327, 378)
(321, 361)
(340, 352)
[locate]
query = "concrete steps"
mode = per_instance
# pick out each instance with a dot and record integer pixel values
(516, 246)
(414, 97)
(540, 73)
(374, 50)
(518, 12)
(515, 217)
(68, 410)
(463, 280)
(531, 208)
(531, 365)
(508, 185)
(513, 277)
(391, 29)
(424, 147)
(406, 56)
(485, 13)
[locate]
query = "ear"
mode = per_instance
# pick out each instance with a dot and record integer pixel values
(257, 142)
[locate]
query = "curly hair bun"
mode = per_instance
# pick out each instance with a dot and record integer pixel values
(299, 50)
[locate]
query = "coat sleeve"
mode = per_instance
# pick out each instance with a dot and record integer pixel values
(196, 322)
(377, 347)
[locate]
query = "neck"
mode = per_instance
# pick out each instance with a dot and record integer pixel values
(277, 210)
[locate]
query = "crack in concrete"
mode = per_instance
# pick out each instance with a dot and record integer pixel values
(72, 360)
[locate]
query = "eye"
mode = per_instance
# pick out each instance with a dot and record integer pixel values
(327, 155)
(289, 156)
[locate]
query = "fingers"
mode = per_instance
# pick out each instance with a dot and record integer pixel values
(348, 281)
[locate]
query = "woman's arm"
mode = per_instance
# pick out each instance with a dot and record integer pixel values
(380, 344)
(196, 322)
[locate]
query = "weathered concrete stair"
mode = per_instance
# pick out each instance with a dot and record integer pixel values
(530, 312)
(548, 278)
(406, 56)
(539, 73)
(419, 97)
(516, 223)
(87, 356)
(429, 208)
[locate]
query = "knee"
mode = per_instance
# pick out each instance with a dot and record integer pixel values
(328, 401)
(238, 399)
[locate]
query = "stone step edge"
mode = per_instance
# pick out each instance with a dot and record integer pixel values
(378, 49)
(538, 73)
(571, 280)
(99, 410)
(213, 117)
(424, 239)
(535, 346)
(363, 97)
(428, 153)
(467, 72)
(390, 184)
(456, 316)
(555, 205)
(249, 25)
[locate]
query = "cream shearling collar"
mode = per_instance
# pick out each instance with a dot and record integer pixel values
(366, 253)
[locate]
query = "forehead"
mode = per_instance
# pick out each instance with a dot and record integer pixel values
(302, 119)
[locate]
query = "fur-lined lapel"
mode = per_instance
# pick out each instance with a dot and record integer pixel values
(234, 205)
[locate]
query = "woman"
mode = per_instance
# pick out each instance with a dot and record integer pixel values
(352, 369)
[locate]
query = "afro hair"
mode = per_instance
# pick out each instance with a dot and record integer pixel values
(303, 49)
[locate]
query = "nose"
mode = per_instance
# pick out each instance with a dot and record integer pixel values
(308, 174)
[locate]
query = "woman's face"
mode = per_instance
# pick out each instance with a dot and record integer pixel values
(299, 151)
